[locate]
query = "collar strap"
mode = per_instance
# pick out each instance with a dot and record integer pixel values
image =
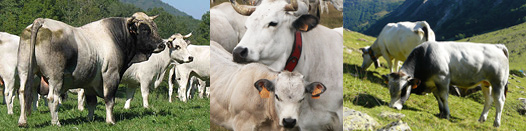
(293, 59)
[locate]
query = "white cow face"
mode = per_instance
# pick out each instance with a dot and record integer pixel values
(290, 92)
(400, 86)
(270, 33)
(367, 59)
(178, 51)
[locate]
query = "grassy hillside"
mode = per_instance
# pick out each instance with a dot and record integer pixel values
(162, 115)
(361, 14)
(332, 20)
(513, 37)
(456, 19)
(148, 4)
(369, 94)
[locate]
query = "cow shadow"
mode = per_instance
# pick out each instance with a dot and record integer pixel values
(452, 119)
(370, 101)
(357, 71)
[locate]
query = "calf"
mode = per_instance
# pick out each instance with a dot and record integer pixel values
(395, 42)
(276, 102)
(200, 68)
(8, 58)
(433, 66)
(151, 73)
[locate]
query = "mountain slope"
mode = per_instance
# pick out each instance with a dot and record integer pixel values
(457, 19)
(361, 14)
(147, 4)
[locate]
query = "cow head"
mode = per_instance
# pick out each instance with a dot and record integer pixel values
(144, 31)
(400, 85)
(290, 92)
(270, 31)
(369, 58)
(177, 45)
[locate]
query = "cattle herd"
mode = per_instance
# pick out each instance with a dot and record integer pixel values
(270, 65)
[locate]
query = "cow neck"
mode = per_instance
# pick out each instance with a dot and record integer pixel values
(294, 56)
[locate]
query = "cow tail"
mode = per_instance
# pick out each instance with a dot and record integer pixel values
(504, 49)
(428, 32)
(28, 93)
(506, 90)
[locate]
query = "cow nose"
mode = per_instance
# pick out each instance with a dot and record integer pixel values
(289, 122)
(240, 54)
(190, 58)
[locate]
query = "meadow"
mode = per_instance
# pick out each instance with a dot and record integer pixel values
(367, 93)
(162, 115)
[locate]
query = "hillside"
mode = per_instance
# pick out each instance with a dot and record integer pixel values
(457, 19)
(513, 37)
(148, 4)
(367, 93)
(361, 14)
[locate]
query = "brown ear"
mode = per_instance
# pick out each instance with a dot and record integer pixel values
(414, 83)
(315, 89)
(264, 87)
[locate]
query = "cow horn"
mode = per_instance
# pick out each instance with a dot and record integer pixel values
(242, 9)
(153, 17)
(293, 6)
(188, 35)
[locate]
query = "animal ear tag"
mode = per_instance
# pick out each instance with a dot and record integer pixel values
(316, 92)
(264, 93)
(305, 27)
(415, 83)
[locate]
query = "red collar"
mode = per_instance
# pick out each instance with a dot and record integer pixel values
(293, 59)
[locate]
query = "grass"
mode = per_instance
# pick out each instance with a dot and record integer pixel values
(366, 92)
(332, 20)
(161, 115)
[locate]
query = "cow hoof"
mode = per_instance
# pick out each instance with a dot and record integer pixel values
(496, 124)
(482, 120)
(22, 124)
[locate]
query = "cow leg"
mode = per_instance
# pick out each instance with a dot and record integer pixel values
(201, 87)
(498, 91)
(191, 87)
(91, 101)
(389, 63)
(110, 85)
(36, 97)
(395, 66)
(442, 96)
(487, 103)
(55, 83)
(130, 92)
(171, 84)
(183, 84)
(80, 99)
(24, 97)
(9, 95)
(145, 91)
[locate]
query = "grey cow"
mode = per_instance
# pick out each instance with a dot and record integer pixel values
(93, 57)
(434, 66)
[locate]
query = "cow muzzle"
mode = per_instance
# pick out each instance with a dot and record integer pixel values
(160, 47)
(289, 122)
(240, 54)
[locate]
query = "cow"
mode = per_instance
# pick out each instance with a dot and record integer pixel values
(8, 52)
(93, 57)
(434, 66)
(226, 25)
(252, 97)
(395, 42)
(200, 68)
(193, 84)
(274, 30)
(151, 73)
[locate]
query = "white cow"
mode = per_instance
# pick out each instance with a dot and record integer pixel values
(151, 73)
(269, 39)
(226, 25)
(236, 105)
(434, 66)
(8, 55)
(200, 68)
(395, 42)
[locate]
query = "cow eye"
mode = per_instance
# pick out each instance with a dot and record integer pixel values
(177, 47)
(272, 24)
(277, 97)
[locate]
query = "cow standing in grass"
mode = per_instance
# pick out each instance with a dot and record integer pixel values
(434, 66)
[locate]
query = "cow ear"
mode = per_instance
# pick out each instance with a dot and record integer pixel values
(414, 83)
(264, 87)
(386, 79)
(306, 23)
(132, 26)
(315, 89)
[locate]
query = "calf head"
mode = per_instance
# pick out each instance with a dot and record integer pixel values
(270, 31)
(177, 45)
(400, 85)
(144, 32)
(368, 58)
(290, 92)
